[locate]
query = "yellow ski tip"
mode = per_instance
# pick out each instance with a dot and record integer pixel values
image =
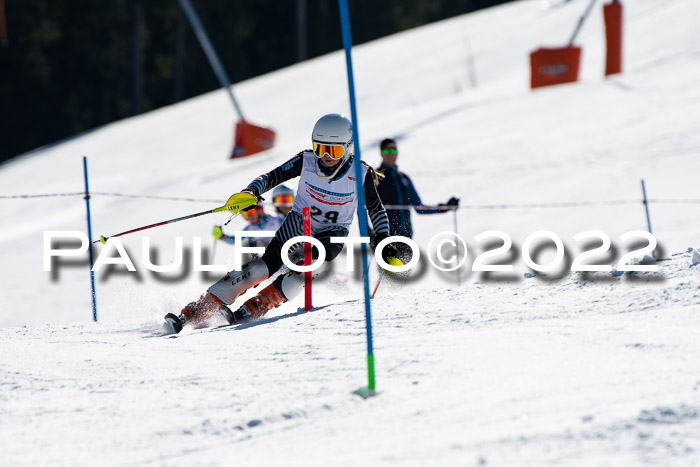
(103, 239)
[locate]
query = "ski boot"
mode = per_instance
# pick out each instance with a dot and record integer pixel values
(194, 312)
(268, 298)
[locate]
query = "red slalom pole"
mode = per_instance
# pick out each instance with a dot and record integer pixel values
(306, 218)
(379, 281)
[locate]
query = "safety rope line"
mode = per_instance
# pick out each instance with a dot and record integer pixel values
(386, 206)
(674, 201)
(51, 195)
(165, 198)
(518, 206)
(123, 195)
(547, 205)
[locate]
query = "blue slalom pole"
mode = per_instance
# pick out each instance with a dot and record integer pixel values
(361, 211)
(89, 232)
(646, 208)
(646, 205)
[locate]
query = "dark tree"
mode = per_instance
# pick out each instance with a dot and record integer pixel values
(74, 65)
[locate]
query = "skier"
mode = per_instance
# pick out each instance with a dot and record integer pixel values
(396, 188)
(257, 220)
(327, 186)
(283, 199)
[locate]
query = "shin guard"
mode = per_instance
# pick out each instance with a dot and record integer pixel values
(236, 282)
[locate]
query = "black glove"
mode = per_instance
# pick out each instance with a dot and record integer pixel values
(389, 250)
(375, 239)
(255, 193)
(450, 205)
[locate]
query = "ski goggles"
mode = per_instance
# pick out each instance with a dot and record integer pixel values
(387, 151)
(252, 211)
(284, 199)
(333, 151)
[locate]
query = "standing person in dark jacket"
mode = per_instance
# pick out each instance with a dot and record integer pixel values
(396, 189)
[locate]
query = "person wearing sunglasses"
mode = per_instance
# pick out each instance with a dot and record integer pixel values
(396, 189)
(283, 198)
(257, 220)
(327, 185)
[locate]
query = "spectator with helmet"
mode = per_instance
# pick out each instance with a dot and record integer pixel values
(283, 199)
(257, 220)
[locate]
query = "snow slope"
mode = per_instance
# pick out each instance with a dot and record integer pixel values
(597, 372)
(496, 369)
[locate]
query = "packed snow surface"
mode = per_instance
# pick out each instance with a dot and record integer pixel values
(472, 368)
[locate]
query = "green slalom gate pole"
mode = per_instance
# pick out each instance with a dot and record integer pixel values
(370, 390)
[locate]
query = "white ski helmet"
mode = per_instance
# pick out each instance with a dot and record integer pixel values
(336, 130)
(281, 190)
